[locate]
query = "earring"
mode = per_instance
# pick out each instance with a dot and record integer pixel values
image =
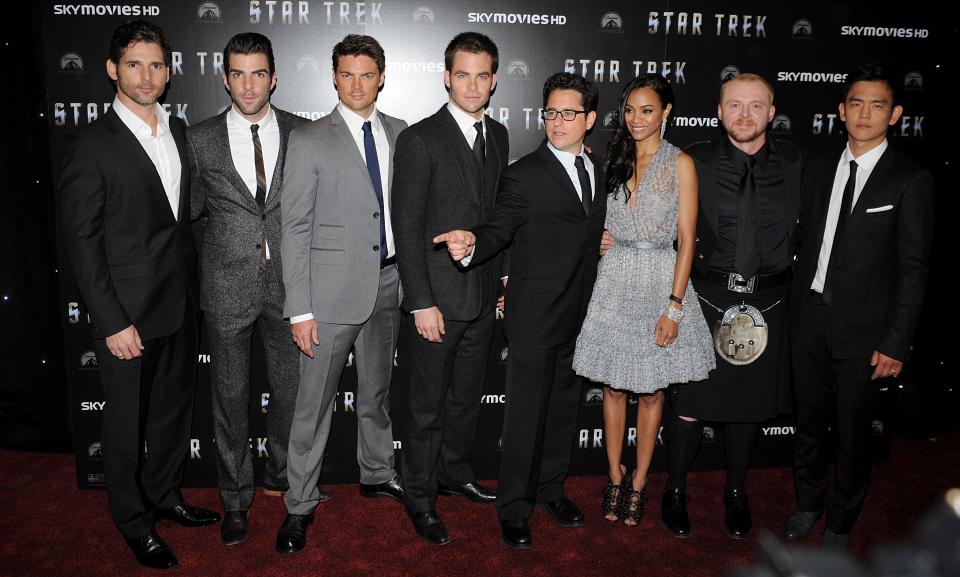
(663, 127)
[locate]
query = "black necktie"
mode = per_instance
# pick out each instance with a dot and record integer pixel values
(373, 167)
(747, 260)
(586, 191)
(846, 207)
(479, 144)
(261, 181)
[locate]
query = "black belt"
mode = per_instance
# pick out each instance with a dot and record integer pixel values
(736, 283)
(388, 261)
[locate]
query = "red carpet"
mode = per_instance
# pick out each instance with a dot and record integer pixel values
(50, 528)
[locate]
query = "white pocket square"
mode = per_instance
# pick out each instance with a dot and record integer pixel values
(880, 208)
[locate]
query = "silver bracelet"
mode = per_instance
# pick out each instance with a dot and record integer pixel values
(674, 314)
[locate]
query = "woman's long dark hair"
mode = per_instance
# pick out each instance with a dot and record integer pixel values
(621, 154)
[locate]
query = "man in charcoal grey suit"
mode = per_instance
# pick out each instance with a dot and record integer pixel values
(236, 160)
(341, 280)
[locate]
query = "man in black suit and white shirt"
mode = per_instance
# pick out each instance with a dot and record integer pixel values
(448, 166)
(125, 200)
(236, 160)
(867, 232)
(551, 209)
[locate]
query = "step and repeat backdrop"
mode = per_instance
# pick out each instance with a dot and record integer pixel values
(803, 49)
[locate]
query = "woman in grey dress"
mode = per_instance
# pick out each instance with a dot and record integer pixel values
(631, 339)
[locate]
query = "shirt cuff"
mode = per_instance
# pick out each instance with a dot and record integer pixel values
(301, 318)
(465, 261)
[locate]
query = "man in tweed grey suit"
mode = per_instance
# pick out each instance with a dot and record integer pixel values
(342, 286)
(236, 160)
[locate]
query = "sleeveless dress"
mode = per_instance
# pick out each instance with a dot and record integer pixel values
(616, 345)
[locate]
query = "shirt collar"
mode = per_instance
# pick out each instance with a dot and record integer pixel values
(234, 118)
(136, 125)
(739, 157)
(355, 121)
(464, 120)
(867, 160)
(567, 157)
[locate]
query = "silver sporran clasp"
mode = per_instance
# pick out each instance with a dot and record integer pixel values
(740, 337)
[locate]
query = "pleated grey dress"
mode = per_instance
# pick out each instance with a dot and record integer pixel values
(616, 345)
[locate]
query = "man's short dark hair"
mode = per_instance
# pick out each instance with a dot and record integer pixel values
(248, 43)
(360, 45)
(474, 43)
(872, 72)
(567, 81)
(135, 31)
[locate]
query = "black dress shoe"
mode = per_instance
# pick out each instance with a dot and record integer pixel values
(429, 526)
(392, 488)
(189, 516)
(234, 529)
(292, 536)
(800, 523)
(473, 491)
(516, 534)
(673, 511)
(152, 552)
(737, 521)
(563, 511)
(834, 541)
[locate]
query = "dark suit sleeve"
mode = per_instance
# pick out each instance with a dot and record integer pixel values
(505, 260)
(914, 243)
(509, 215)
(83, 202)
(411, 184)
(198, 187)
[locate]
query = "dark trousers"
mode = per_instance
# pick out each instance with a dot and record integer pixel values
(446, 383)
(229, 338)
(149, 401)
(539, 421)
(830, 393)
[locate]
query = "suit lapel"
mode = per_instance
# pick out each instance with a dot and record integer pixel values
(129, 148)
(823, 189)
(457, 145)
(178, 131)
(556, 169)
(273, 195)
(391, 142)
(878, 177)
(225, 155)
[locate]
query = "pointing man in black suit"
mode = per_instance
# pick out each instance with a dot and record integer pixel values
(550, 208)
(125, 199)
(867, 232)
(237, 162)
(448, 166)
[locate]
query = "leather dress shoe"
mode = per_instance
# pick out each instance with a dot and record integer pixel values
(392, 488)
(563, 511)
(152, 552)
(189, 516)
(516, 534)
(429, 526)
(234, 529)
(737, 521)
(800, 524)
(473, 491)
(673, 512)
(292, 536)
(834, 541)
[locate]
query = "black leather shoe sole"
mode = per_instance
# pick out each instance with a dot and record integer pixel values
(473, 497)
(515, 545)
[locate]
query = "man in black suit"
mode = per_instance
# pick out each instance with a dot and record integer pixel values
(447, 169)
(551, 210)
(236, 161)
(867, 232)
(125, 200)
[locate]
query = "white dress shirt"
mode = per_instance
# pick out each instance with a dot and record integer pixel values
(567, 159)
(354, 124)
(241, 149)
(161, 149)
(865, 166)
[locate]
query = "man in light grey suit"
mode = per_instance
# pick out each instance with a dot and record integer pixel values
(341, 280)
(236, 160)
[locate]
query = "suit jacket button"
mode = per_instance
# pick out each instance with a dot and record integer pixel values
(376, 215)
(376, 247)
